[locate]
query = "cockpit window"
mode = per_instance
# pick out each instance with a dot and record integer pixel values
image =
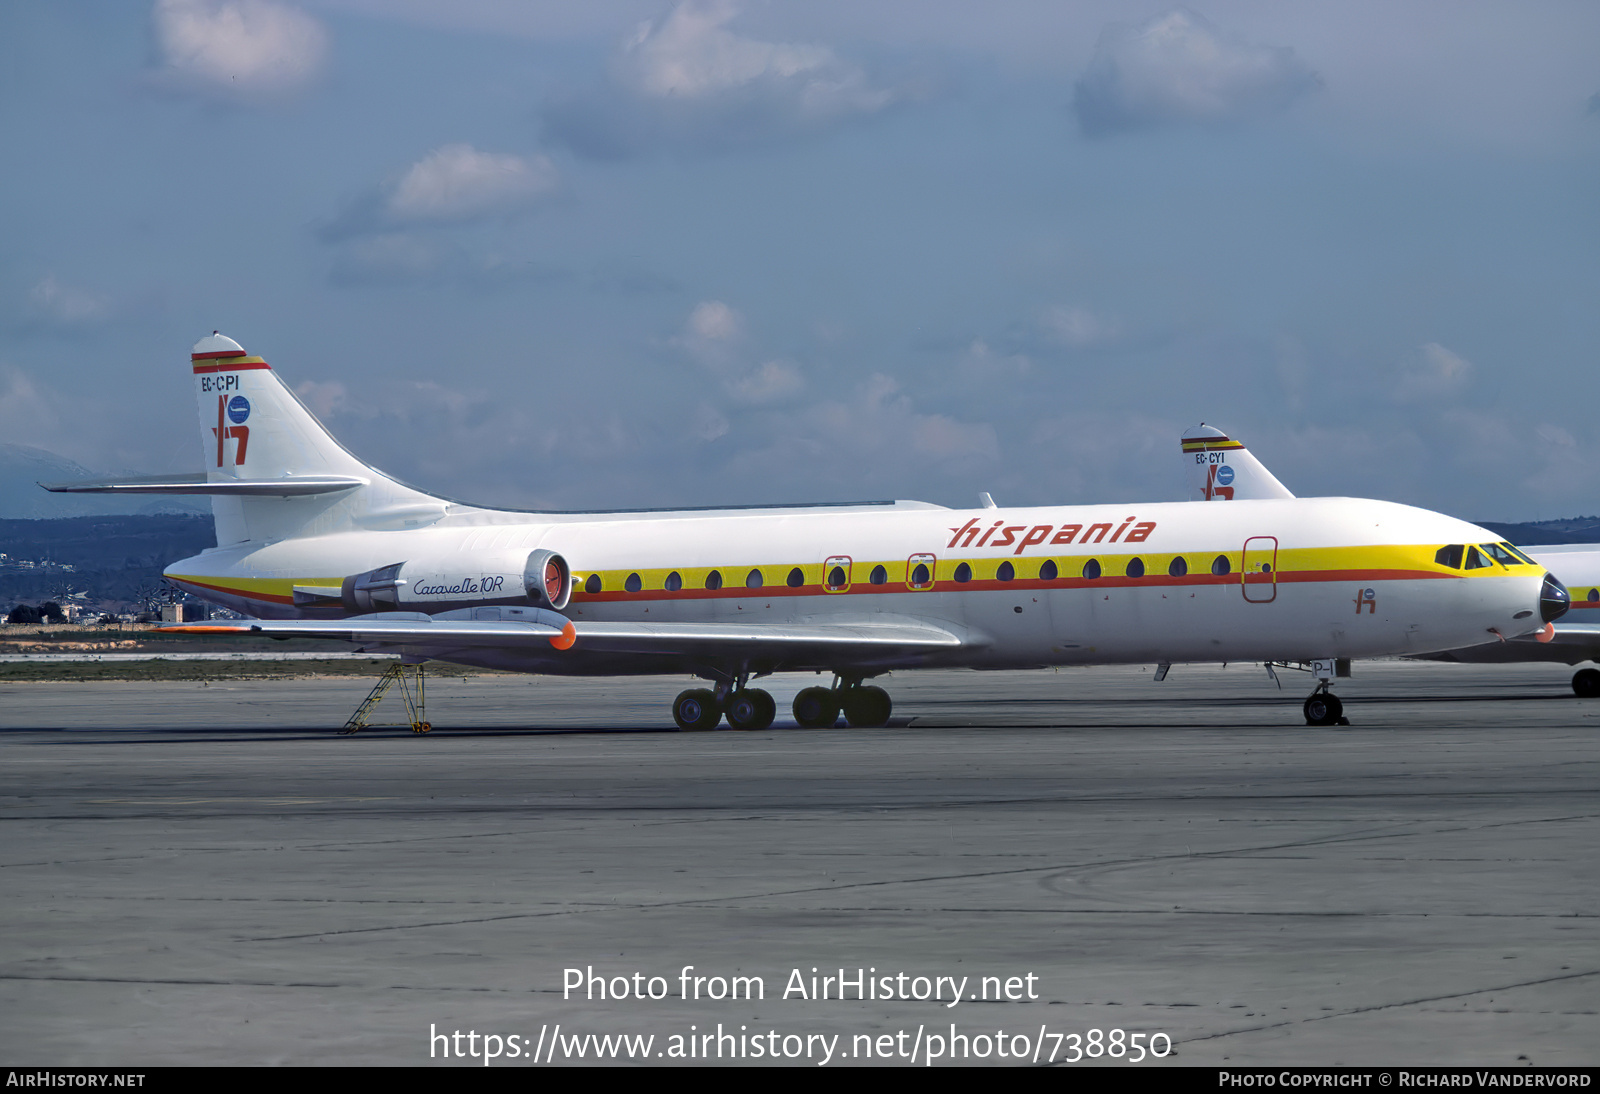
(1476, 561)
(1500, 554)
(1450, 555)
(1518, 554)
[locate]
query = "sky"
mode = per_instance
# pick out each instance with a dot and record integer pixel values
(567, 255)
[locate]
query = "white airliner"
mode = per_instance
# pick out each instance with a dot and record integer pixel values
(1222, 469)
(314, 543)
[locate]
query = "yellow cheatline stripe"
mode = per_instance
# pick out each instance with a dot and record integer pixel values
(1113, 563)
(1201, 446)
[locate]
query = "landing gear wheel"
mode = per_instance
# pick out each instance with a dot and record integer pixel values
(1586, 683)
(816, 708)
(695, 709)
(1324, 709)
(751, 709)
(866, 707)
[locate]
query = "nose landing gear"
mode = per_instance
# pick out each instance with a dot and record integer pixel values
(1323, 707)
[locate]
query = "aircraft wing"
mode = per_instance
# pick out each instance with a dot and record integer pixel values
(750, 639)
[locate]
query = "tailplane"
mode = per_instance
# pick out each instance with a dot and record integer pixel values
(272, 470)
(1222, 469)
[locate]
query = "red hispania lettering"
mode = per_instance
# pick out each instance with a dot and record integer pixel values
(1067, 532)
(1006, 537)
(1104, 528)
(1122, 529)
(1035, 534)
(958, 531)
(1141, 531)
(987, 534)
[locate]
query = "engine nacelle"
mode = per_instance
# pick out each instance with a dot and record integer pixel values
(541, 578)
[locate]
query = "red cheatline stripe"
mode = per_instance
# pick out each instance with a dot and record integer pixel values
(273, 597)
(198, 369)
(215, 354)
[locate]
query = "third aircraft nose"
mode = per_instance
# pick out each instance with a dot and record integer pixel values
(1554, 600)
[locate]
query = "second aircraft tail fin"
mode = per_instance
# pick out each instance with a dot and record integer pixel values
(1220, 468)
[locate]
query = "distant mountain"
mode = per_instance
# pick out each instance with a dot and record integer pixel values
(1568, 530)
(23, 468)
(111, 558)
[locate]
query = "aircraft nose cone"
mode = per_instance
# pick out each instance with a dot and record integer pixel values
(1554, 600)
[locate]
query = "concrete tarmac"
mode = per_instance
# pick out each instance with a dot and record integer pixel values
(209, 875)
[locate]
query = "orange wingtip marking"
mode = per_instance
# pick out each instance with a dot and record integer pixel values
(1548, 633)
(564, 640)
(203, 630)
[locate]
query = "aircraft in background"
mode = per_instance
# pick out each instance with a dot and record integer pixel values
(315, 543)
(1220, 469)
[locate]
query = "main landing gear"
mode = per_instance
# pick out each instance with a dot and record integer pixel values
(751, 708)
(1586, 683)
(863, 705)
(746, 708)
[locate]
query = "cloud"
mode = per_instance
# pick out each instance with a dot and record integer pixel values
(689, 82)
(242, 49)
(1179, 69)
(54, 304)
(1436, 373)
(456, 182)
(453, 184)
(771, 382)
(1077, 327)
(714, 337)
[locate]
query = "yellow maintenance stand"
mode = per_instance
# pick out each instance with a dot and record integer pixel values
(412, 693)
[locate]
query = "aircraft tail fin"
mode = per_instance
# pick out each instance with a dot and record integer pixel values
(271, 469)
(1220, 468)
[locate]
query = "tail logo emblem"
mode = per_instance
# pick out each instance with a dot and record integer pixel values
(238, 410)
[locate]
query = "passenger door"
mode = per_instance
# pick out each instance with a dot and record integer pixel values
(1258, 569)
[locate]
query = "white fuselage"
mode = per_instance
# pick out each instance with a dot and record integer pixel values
(1303, 578)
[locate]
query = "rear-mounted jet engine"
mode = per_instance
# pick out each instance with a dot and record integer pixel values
(541, 578)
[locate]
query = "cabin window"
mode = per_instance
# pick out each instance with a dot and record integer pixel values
(714, 579)
(1449, 555)
(1476, 561)
(1594, 596)
(752, 580)
(836, 578)
(1006, 572)
(674, 581)
(1136, 567)
(1499, 554)
(878, 576)
(1048, 571)
(963, 573)
(1220, 566)
(1091, 569)
(796, 578)
(633, 584)
(1177, 567)
(920, 576)
(592, 585)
